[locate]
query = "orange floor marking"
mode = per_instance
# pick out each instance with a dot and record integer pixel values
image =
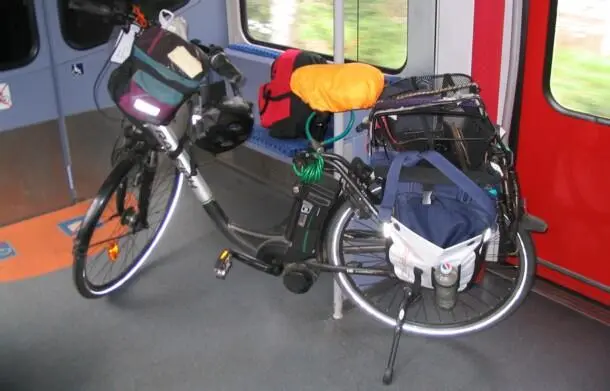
(111, 227)
(41, 246)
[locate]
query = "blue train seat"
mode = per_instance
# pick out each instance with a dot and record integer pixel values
(260, 140)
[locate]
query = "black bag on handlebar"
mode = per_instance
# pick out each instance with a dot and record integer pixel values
(161, 73)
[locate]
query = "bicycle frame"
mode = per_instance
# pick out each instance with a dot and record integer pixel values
(239, 235)
(271, 255)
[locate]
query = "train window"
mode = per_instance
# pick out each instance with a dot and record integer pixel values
(580, 67)
(20, 33)
(83, 31)
(375, 30)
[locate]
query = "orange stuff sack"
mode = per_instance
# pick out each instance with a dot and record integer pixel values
(336, 88)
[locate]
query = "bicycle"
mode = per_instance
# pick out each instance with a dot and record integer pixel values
(346, 190)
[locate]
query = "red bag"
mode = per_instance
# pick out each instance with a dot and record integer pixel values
(281, 111)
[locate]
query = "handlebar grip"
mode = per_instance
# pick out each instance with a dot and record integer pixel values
(91, 7)
(223, 66)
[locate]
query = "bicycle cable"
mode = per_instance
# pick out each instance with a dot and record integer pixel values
(312, 170)
(96, 86)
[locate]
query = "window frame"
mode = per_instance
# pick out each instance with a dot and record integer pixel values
(62, 29)
(243, 16)
(62, 18)
(35, 47)
(548, 68)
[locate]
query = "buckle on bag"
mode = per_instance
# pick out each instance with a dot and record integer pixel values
(426, 198)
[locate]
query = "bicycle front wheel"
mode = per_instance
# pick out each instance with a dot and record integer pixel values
(124, 224)
(506, 281)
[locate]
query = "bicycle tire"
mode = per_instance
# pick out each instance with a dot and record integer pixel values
(339, 222)
(90, 221)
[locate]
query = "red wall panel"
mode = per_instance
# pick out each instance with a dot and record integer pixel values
(487, 51)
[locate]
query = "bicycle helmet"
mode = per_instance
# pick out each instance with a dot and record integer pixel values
(224, 125)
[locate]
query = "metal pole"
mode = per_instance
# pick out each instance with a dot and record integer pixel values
(338, 58)
(513, 66)
(339, 123)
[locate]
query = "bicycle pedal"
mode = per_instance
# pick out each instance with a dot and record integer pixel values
(223, 264)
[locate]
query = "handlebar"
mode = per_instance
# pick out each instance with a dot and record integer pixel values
(223, 66)
(120, 11)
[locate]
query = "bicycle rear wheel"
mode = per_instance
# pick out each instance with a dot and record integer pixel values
(131, 210)
(507, 280)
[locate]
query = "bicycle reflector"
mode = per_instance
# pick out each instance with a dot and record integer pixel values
(113, 251)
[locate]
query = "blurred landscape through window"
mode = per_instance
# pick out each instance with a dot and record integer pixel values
(375, 30)
(580, 70)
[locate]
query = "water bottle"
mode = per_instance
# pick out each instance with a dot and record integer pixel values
(446, 281)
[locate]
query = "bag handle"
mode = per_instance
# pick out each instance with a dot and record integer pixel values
(410, 159)
(166, 17)
(265, 94)
(457, 176)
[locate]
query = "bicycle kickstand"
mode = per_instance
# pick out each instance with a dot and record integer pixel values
(411, 294)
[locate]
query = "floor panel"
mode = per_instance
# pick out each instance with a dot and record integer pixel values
(178, 328)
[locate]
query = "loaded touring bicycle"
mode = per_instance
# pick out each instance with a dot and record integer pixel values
(429, 236)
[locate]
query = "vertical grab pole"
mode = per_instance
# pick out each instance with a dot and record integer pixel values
(338, 123)
(514, 66)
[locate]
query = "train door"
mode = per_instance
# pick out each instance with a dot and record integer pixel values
(563, 140)
(33, 175)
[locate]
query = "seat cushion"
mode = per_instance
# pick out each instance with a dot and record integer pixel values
(336, 88)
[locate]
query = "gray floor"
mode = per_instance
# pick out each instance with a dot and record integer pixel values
(178, 328)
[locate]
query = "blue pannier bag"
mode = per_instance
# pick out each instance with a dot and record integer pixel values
(433, 224)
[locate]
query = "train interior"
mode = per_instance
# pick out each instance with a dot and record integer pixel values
(543, 67)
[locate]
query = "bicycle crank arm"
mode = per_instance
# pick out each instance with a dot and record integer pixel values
(352, 268)
(225, 261)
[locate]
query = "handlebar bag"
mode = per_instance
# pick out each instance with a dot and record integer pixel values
(162, 71)
(434, 224)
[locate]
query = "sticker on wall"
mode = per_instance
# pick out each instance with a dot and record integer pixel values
(6, 102)
(78, 69)
(6, 251)
(70, 227)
